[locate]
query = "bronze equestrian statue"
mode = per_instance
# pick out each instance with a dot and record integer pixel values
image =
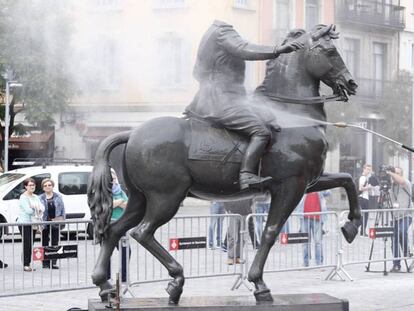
(219, 69)
(159, 173)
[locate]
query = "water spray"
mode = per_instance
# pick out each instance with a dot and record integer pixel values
(343, 125)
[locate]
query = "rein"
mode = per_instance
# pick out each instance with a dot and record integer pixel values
(304, 101)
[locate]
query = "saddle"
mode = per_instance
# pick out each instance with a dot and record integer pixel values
(210, 142)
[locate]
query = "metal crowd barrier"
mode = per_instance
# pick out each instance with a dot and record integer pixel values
(186, 238)
(388, 237)
(73, 249)
(314, 234)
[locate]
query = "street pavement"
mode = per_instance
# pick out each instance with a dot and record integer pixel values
(367, 291)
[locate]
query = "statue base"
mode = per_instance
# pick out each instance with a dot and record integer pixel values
(294, 302)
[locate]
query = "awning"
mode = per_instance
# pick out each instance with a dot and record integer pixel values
(33, 140)
(94, 134)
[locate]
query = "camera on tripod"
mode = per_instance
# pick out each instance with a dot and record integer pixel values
(384, 178)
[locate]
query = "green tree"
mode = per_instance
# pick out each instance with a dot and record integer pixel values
(395, 106)
(34, 46)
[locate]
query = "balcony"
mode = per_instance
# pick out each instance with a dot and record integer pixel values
(371, 13)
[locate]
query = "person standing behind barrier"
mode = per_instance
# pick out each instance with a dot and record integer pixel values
(363, 198)
(401, 197)
(314, 202)
(262, 206)
(54, 211)
(216, 224)
(234, 238)
(29, 205)
(120, 201)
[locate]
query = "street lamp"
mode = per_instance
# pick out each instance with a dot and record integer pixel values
(9, 84)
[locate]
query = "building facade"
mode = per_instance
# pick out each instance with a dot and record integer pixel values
(133, 61)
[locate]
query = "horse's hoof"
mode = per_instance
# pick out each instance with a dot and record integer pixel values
(107, 293)
(174, 290)
(263, 295)
(349, 230)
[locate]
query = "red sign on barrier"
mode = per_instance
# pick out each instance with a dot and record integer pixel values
(283, 238)
(188, 243)
(372, 233)
(174, 244)
(38, 253)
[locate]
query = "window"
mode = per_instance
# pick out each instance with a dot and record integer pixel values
(173, 60)
(312, 13)
(241, 4)
(169, 4)
(9, 177)
(108, 56)
(412, 57)
(351, 55)
(379, 57)
(15, 193)
(281, 19)
(73, 182)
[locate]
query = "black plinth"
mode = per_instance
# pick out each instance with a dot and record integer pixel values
(296, 302)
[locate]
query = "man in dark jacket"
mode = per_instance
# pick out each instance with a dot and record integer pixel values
(220, 70)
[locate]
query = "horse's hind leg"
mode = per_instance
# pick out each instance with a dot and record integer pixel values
(161, 207)
(329, 181)
(132, 215)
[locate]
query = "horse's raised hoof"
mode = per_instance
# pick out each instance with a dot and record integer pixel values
(349, 230)
(263, 295)
(174, 290)
(107, 293)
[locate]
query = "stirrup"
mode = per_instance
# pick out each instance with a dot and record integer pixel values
(252, 181)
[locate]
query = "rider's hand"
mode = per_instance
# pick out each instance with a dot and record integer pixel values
(290, 47)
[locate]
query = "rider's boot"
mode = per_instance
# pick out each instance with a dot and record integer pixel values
(248, 170)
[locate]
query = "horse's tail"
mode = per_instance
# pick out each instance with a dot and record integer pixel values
(100, 184)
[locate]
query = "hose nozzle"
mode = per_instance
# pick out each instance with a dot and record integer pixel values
(340, 124)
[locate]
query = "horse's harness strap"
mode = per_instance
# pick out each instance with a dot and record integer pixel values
(308, 100)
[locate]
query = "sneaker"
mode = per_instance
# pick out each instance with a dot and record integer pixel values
(3, 265)
(27, 269)
(395, 268)
(239, 261)
(230, 262)
(224, 248)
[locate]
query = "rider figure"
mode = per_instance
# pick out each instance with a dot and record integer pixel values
(220, 70)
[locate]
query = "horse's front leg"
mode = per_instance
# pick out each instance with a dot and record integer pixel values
(329, 181)
(285, 198)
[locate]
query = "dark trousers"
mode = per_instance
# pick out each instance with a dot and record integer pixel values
(47, 233)
(28, 235)
(400, 238)
(123, 263)
(364, 205)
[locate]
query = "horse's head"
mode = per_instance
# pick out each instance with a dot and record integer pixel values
(324, 62)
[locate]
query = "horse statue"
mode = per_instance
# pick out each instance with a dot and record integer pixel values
(159, 174)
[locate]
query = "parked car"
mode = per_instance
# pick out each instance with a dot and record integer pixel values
(70, 181)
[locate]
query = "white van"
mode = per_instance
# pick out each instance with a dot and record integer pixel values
(70, 181)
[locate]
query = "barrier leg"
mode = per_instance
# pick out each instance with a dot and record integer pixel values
(339, 269)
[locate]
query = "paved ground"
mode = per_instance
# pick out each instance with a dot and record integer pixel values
(368, 291)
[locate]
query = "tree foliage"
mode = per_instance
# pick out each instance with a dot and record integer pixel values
(34, 46)
(395, 106)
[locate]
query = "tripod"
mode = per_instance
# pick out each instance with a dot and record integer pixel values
(382, 219)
